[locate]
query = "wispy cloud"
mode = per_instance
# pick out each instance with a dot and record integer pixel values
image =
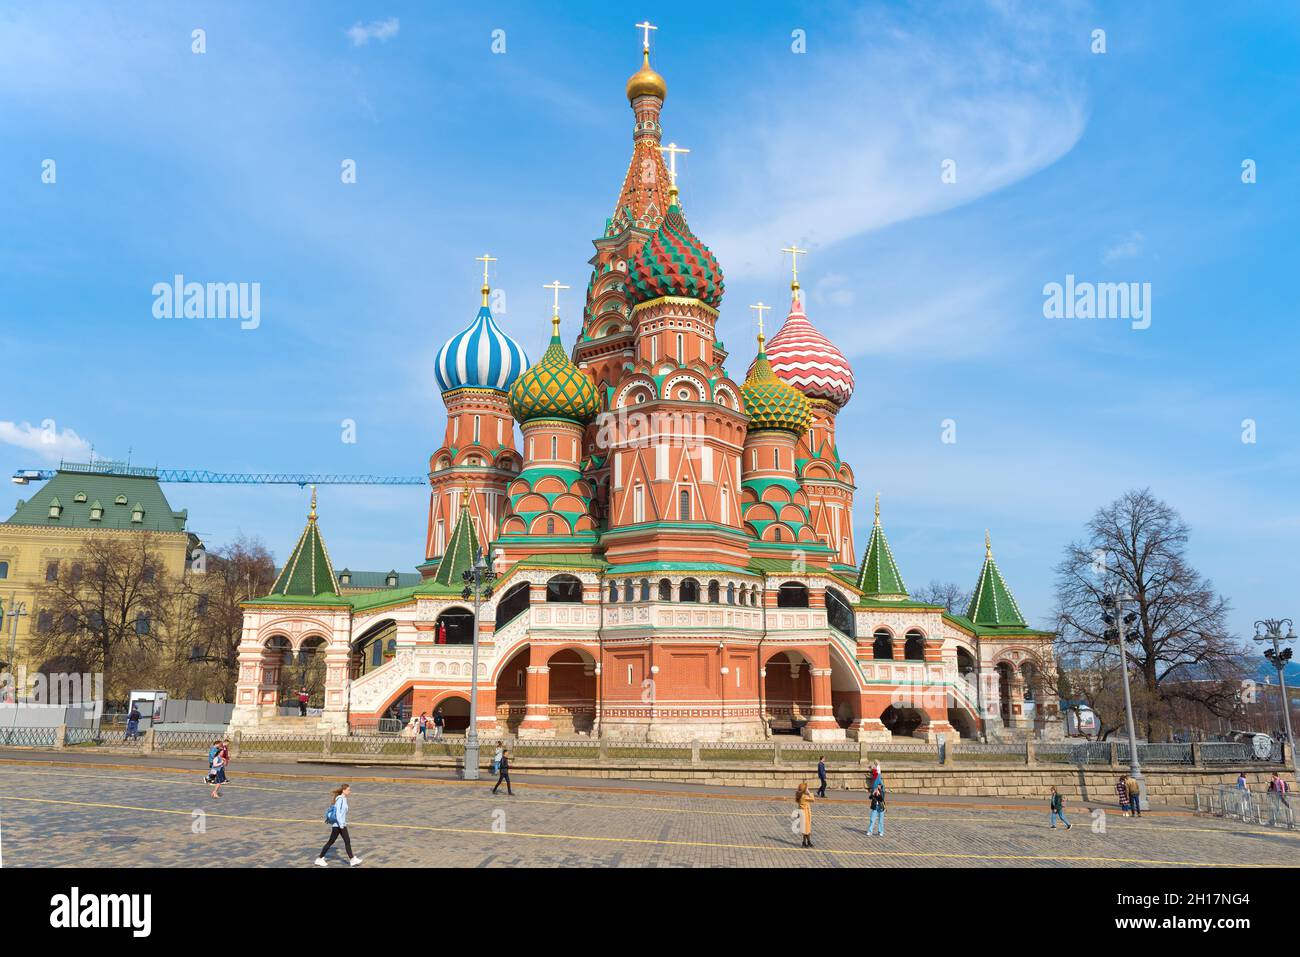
(382, 30)
(46, 441)
(1126, 248)
(876, 122)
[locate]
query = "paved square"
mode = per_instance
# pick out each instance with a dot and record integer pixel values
(158, 817)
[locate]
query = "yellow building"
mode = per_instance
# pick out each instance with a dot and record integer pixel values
(46, 532)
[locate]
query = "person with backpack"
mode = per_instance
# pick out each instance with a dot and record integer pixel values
(133, 724)
(1058, 809)
(438, 722)
(877, 810)
(337, 818)
(1277, 785)
(1121, 788)
(212, 757)
(503, 773)
(804, 800)
(821, 776)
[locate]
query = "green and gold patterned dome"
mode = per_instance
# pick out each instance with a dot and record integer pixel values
(772, 403)
(554, 388)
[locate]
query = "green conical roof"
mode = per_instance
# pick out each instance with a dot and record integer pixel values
(461, 550)
(308, 571)
(879, 575)
(993, 605)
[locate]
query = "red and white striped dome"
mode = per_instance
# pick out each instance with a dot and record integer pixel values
(808, 360)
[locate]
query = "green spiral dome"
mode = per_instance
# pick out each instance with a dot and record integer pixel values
(554, 388)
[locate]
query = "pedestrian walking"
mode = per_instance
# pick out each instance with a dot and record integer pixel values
(337, 818)
(213, 751)
(438, 722)
(1277, 785)
(225, 758)
(133, 724)
(1241, 782)
(877, 810)
(424, 726)
(303, 698)
(1058, 809)
(821, 776)
(1134, 795)
(218, 774)
(503, 773)
(804, 799)
(1121, 788)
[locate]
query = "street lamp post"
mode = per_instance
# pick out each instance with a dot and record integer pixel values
(478, 584)
(1119, 620)
(17, 609)
(1270, 631)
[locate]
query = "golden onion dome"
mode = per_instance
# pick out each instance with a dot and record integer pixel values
(645, 81)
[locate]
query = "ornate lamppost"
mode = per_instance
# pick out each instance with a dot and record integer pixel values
(1115, 617)
(1269, 630)
(478, 585)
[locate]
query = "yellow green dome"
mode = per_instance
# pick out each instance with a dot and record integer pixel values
(772, 403)
(554, 388)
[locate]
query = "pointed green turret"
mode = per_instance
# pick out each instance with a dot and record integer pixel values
(308, 571)
(879, 577)
(992, 605)
(461, 550)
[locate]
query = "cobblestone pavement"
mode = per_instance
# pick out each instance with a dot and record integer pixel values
(101, 817)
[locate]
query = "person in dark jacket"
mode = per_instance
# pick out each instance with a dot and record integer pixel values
(1058, 810)
(821, 776)
(877, 810)
(503, 774)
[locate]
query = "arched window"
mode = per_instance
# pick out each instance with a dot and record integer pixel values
(550, 526)
(689, 590)
(838, 613)
(684, 505)
(792, 595)
(882, 649)
(776, 458)
(512, 603)
(564, 588)
(731, 593)
(645, 589)
(460, 626)
(613, 591)
(965, 662)
(753, 596)
(629, 591)
(142, 624)
(4, 569)
(776, 533)
(1030, 677)
(914, 646)
(665, 590)
(714, 592)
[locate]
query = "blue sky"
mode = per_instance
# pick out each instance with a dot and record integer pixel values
(1122, 166)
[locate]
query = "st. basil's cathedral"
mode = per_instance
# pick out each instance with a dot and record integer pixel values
(674, 549)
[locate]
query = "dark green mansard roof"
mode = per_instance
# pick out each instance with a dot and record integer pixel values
(461, 550)
(992, 605)
(879, 573)
(118, 496)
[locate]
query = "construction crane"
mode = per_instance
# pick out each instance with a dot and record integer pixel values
(301, 479)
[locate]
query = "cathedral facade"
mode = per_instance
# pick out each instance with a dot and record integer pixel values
(673, 548)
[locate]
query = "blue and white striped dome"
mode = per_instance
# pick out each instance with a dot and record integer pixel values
(481, 357)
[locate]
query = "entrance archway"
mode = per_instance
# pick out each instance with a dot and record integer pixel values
(455, 713)
(459, 625)
(787, 692)
(512, 693)
(902, 722)
(571, 692)
(1004, 692)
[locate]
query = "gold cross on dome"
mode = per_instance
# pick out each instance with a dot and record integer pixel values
(485, 259)
(645, 28)
(555, 287)
(760, 309)
(795, 252)
(672, 149)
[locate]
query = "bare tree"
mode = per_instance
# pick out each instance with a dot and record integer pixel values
(240, 571)
(99, 614)
(953, 597)
(1180, 647)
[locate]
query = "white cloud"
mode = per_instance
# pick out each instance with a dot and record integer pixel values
(1124, 249)
(856, 139)
(374, 30)
(46, 441)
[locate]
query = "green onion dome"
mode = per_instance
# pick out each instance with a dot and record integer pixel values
(772, 403)
(673, 262)
(554, 388)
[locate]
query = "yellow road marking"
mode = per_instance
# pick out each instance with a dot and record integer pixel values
(931, 855)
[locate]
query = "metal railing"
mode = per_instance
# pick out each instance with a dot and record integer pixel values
(1266, 808)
